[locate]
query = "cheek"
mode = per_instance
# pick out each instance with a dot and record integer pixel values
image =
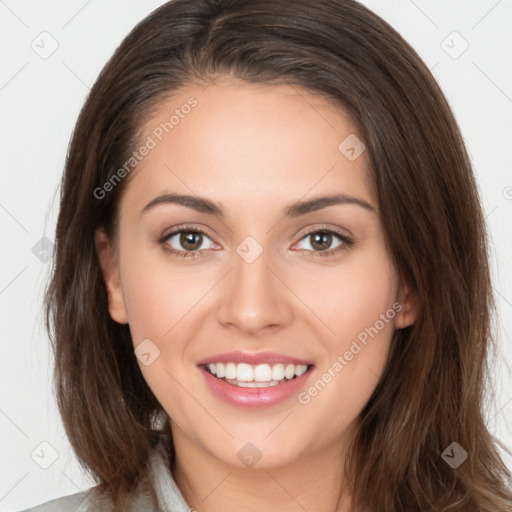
(160, 302)
(351, 297)
(158, 294)
(358, 304)
(369, 294)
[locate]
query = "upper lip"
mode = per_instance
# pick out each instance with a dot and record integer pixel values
(253, 358)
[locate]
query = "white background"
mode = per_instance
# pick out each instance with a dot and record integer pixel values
(40, 100)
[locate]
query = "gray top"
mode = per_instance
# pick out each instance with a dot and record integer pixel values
(169, 497)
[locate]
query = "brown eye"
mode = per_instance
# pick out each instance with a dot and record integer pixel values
(191, 240)
(186, 242)
(321, 242)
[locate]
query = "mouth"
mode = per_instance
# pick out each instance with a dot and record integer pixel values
(243, 380)
(256, 376)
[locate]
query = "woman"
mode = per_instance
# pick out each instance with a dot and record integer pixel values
(271, 288)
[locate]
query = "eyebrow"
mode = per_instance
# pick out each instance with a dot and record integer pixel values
(296, 209)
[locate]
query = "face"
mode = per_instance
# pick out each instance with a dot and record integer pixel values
(261, 315)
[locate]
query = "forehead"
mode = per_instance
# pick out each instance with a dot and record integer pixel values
(250, 142)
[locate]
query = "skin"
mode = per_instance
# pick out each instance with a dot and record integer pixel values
(255, 149)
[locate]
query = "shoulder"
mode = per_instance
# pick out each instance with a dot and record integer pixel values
(86, 501)
(163, 492)
(94, 500)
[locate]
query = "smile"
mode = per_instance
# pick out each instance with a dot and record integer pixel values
(255, 386)
(255, 376)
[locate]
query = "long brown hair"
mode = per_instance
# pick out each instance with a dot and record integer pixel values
(431, 393)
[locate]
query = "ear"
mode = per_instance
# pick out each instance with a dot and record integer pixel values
(407, 299)
(108, 262)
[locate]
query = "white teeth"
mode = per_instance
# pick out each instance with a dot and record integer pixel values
(220, 370)
(300, 370)
(278, 372)
(254, 376)
(244, 372)
(289, 371)
(256, 384)
(262, 373)
(230, 372)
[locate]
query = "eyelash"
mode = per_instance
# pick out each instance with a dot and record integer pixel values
(347, 242)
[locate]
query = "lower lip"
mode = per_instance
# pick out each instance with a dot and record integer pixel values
(254, 397)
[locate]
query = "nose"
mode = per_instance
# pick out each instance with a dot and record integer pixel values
(254, 296)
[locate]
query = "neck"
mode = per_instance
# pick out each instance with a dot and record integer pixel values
(312, 482)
